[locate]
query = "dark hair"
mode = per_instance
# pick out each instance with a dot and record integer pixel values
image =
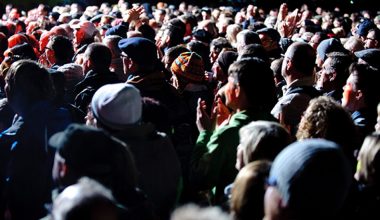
(303, 58)
(175, 51)
(23, 51)
(63, 48)
(376, 33)
(220, 43)
(147, 32)
(340, 63)
(201, 49)
(176, 30)
(99, 55)
(254, 50)
(30, 81)
(366, 79)
(255, 78)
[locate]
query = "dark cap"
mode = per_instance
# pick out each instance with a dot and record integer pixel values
(88, 149)
(140, 50)
(370, 56)
(364, 27)
(271, 32)
(328, 46)
(312, 176)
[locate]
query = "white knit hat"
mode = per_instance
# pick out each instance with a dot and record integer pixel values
(117, 105)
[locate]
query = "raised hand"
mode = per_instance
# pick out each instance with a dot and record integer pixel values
(204, 121)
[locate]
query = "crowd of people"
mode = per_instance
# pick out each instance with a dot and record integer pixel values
(157, 112)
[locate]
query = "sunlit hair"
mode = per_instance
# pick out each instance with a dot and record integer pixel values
(368, 169)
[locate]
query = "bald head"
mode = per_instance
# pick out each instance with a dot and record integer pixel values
(302, 57)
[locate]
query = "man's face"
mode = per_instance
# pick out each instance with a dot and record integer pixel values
(349, 93)
(78, 36)
(213, 54)
(230, 92)
(370, 41)
(324, 81)
(266, 41)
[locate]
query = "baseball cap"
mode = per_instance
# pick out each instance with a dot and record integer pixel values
(370, 56)
(87, 26)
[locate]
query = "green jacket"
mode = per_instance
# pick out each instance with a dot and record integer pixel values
(214, 157)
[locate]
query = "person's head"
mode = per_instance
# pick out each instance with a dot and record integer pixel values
(353, 44)
(173, 33)
(247, 199)
(223, 62)
(87, 151)
(373, 39)
(250, 85)
(246, 37)
(334, 72)
(260, 140)
(308, 180)
(363, 28)
(172, 53)
(231, 33)
(254, 50)
(276, 67)
(316, 39)
(360, 90)
(187, 68)
(112, 41)
(26, 83)
(368, 169)
(298, 62)
(269, 38)
(370, 57)
(84, 31)
(139, 55)
(325, 47)
(116, 106)
(97, 57)
(325, 118)
(86, 199)
(59, 50)
(216, 46)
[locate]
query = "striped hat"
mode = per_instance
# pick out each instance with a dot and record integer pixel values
(189, 66)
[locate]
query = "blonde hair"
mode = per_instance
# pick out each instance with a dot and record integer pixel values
(368, 169)
(247, 201)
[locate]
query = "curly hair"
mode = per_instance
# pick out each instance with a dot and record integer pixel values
(325, 118)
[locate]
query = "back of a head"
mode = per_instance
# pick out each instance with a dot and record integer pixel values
(254, 50)
(28, 82)
(249, 37)
(329, 45)
(263, 140)
(248, 191)
(86, 200)
(117, 106)
(303, 58)
(99, 55)
(112, 42)
(256, 80)
(368, 170)
(176, 30)
(63, 48)
(23, 51)
(92, 152)
(313, 178)
(325, 118)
